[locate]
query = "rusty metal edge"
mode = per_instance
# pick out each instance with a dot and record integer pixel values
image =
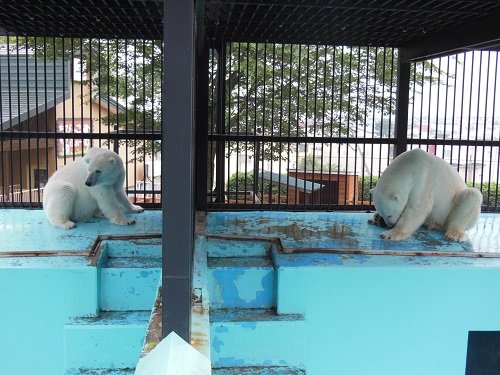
(303, 250)
(96, 249)
(39, 254)
(93, 254)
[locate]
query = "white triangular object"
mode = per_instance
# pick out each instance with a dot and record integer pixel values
(173, 356)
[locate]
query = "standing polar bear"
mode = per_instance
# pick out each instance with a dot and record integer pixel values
(418, 188)
(88, 187)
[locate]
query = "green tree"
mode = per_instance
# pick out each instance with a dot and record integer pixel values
(302, 90)
(271, 89)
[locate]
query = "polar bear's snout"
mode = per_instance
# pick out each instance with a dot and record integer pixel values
(91, 179)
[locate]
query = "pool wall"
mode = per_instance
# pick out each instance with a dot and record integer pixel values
(390, 320)
(39, 296)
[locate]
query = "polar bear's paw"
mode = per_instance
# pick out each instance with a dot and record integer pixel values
(68, 224)
(98, 213)
(378, 220)
(455, 235)
(394, 235)
(122, 220)
(137, 209)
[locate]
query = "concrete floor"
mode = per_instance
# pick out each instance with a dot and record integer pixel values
(29, 230)
(347, 230)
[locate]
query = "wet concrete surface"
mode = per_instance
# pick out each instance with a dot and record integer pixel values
(347, 230)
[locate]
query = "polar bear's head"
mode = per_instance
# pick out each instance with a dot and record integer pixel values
(104, 167)
(389, 204)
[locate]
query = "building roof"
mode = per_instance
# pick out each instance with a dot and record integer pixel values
(29, 87)
(111, 103)
(290, 182)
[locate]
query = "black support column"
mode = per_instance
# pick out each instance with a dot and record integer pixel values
(402, 98)
(178, 165)
(202, 128)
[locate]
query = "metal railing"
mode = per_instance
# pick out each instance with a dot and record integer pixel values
(313, 127)
(61, 96)
(15, 194)
(293, 127)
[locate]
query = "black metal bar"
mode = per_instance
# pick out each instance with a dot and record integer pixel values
(254, 135)
(177, 166)
(202, 129)
(220, 119)
(402, 97)
(476, 34)
(90, 136)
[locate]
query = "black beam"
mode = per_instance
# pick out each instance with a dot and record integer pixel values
(220, 121)
(177, 166)
(201, 109)
(402, 98)
(480, 34)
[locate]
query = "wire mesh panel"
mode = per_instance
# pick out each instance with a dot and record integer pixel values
(454, 110)
(61, 96)
(303, 126)
(313, 126)
(291, 126)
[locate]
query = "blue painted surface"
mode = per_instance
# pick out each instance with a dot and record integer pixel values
(130, 274)
(374, 314)
(39, 294)
(129, 283)
(29, 230)
(218, 247)
(241, 282)
(346, 230)
(141, 247)
(112, 340)
(390, 320)
(256, 337)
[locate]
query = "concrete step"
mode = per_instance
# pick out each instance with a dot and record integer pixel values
(104, 371)
(148, 247)
(129, 283)
(222, 247)
(256, 337)
(257, 370)
(246, 282)
(112, 340)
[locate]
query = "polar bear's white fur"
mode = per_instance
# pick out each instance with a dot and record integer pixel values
(418, 188)
(88, 187)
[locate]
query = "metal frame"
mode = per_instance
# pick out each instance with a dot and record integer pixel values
(178, 166)
(435, 30)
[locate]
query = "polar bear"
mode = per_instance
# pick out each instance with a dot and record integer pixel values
(88, 187)
(418, 188)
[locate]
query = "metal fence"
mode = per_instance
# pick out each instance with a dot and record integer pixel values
(291, 127)
(299, 127)
(61, 96)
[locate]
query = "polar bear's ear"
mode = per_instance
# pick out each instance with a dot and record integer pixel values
(372, 191)
(396, 197)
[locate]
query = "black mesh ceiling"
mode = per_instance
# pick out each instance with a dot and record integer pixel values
(338, 22)
(341, 22)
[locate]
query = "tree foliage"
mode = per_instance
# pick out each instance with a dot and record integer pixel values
(128, 72)
(303, 90)
(271, 89)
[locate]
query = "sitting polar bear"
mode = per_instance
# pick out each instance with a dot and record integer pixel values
(88, 187)
(418, 188)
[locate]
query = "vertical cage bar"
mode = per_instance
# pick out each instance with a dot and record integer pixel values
(402, 99)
